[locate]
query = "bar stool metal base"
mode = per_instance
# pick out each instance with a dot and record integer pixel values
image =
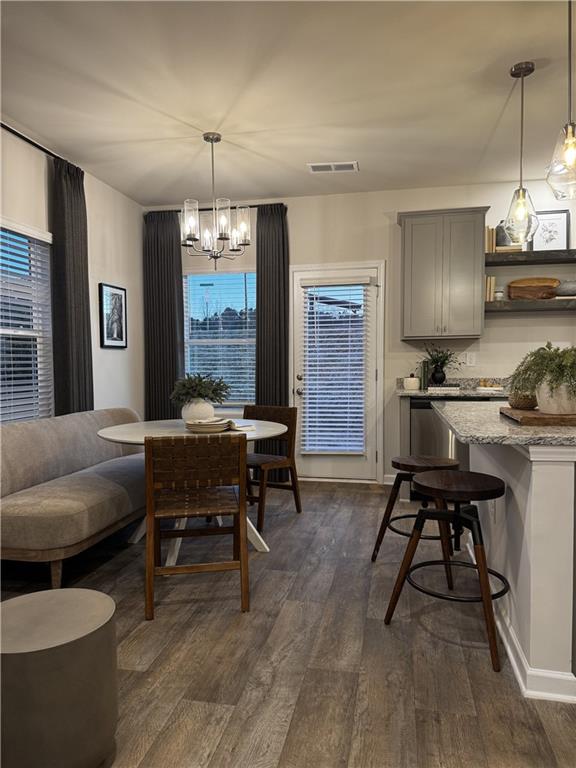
(451, 597)
(407, 534)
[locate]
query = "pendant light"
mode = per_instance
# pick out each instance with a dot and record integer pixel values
(521, 222)
(227, 233)
(562, 171)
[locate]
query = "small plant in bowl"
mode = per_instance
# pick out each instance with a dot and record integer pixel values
(548, 373)
(196, 394)
(441, 359)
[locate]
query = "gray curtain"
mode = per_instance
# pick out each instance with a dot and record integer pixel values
(272, 295)
(272, 316)
(71, 332)
(163, 312)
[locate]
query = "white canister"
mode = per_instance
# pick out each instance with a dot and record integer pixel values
(412, 383)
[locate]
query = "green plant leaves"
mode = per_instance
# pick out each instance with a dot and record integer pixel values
(550, 365)
(195, 385)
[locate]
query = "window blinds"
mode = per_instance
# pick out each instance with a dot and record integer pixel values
(334, 368)
(26, 382)
(220, 330)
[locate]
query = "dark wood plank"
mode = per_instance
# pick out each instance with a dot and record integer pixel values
(448, 741)
(320, 732)
(559, 721)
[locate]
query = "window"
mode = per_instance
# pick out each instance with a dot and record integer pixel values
(220, 329)
(26, 383)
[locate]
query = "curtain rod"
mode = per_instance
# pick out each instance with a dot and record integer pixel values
(30, 141)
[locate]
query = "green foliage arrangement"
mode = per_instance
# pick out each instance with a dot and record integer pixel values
(550, 365)
(195, 385)
(442, 358)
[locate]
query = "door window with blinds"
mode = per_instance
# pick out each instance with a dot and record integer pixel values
(334, 368)
(220, 329)
(26, 381)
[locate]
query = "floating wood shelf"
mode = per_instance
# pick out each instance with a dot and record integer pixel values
(531, 305)
(526, 258)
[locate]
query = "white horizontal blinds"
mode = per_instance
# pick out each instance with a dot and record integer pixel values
(334, 367)
(26, 380)
(220, 329)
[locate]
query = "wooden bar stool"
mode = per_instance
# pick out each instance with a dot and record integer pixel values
(458, 488)
(410, 466)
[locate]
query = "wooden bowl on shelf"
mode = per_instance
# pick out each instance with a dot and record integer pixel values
(533, 288)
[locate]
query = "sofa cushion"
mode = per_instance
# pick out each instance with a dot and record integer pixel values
(69, 509)
(33, 452)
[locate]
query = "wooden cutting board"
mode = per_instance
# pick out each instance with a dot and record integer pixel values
(537, 419)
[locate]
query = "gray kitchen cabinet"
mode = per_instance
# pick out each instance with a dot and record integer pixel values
(443, 273)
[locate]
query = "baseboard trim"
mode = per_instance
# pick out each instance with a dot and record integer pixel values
(534, 683)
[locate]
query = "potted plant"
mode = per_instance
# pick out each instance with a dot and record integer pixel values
(196, 393)
(440, 359)
(549, 373)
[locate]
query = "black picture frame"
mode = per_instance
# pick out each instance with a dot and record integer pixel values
(113, 316)
(538, 245)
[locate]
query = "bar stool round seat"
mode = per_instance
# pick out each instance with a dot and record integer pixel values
(59, 680)
(415, 464)
(454, 485)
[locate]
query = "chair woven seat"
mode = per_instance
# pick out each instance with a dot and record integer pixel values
(259, 459)
(199, 502)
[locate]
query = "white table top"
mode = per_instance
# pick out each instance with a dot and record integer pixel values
(135, 432)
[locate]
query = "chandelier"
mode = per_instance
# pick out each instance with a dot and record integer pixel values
(562, 170)
(227, 231)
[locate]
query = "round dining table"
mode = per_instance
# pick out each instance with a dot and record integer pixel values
(136, 432)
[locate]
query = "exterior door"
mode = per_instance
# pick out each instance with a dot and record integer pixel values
(335, 342)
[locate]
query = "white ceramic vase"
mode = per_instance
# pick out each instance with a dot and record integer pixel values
(560, 401)
(198, 409)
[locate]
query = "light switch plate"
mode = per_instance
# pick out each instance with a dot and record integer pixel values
(470, 358)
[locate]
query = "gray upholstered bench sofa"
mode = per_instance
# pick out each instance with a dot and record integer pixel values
(64, 488)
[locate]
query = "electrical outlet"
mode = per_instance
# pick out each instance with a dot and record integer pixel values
(470, 358)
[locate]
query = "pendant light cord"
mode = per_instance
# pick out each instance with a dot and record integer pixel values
(521, 127)
(213, 193)
(569, 61)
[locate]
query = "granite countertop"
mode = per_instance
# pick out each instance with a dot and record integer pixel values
(462, 395)
(482, 423)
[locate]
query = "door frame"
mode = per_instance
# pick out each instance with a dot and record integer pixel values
(330, 269)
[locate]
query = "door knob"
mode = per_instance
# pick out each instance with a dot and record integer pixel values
(300, 391)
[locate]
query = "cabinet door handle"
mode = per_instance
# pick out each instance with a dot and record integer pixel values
(445, 328)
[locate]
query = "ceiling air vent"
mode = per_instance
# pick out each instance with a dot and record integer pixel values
(349, 167)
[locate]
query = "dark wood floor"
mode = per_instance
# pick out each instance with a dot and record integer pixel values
(311, 677)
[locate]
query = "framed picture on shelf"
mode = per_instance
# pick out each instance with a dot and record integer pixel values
(112, 316)
(553, 233)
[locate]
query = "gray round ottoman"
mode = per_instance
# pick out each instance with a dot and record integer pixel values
(59, 687)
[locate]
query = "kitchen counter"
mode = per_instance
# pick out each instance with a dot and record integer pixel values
(464, 394)
(529, 535)
(481, 423)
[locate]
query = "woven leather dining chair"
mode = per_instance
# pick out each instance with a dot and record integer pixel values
(266, 463)
(196, 476)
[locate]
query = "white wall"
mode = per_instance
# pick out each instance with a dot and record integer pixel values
(114, 256)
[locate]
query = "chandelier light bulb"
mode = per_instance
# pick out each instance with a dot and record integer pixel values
(521, 222)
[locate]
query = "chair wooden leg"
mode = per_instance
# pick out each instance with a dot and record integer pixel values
(404, 567)
(243, 557)
(296, 489)
(249, 488)
(445, 541)
(262, 499)
(157, 544)
(150, 559)
(387, 515)
(236, 538)
(56, 573)
(485, 591)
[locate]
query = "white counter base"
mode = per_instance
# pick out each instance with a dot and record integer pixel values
(529, 536)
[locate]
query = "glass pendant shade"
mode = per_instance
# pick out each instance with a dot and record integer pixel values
(243, 224)
(521, 222)
(223, 218)
(190, 222)
(208, 240)
(561, 175)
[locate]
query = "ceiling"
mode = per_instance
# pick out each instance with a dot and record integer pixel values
(417, 92)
